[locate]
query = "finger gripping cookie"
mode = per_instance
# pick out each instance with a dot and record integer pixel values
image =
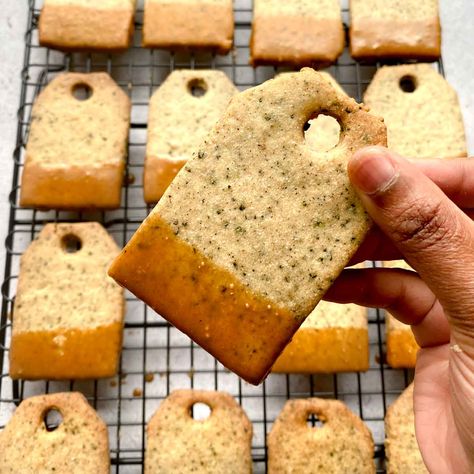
(340, 443)
(77, 445)
(266, 226)
(178, 443)
(75, 155)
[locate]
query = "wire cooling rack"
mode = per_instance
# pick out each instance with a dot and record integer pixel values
(156, 357)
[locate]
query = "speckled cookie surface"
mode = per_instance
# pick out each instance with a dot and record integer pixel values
(401, 448)
(395, 29)
(296, 32)
(75, 155)
(425, 123)
(342, 444)
(87, 24)
(189, 24)
(182, 112)
(267, 226)
(402, 347)
(79, 444)
(68, 314)
(218, 444)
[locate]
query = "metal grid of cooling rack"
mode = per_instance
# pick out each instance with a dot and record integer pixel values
(156, 357)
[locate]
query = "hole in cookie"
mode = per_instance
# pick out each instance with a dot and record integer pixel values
(71, 243)
(52, 419)
(197, 87)
(82, 91)
(200, 411)
(313, 421)
(322, 133)
(408, 84)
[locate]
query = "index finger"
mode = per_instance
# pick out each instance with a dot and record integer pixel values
(455, 177)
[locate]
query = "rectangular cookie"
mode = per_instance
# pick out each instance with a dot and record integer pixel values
(104, 25)
(402, 347)
(189, 24)
(341, 443)
(401, 447)
(68, 314)
(394, 29)
(79, 444)
(296, 32)
(415, 100)
(177, 442)
(256, 226)
(182, 112)
(77, 144)
(333, 338)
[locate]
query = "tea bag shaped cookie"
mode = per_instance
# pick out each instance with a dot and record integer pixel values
(256, 226)
(339, 444)
(75, 155)
(104, 25)
(402, 347)
(300, 32)
(189, 24)
(421, 111)
(395, 29)
(182, 112)
(77, 445)
(333, 338)
(178, 443)
(401, 447)
(68, 314)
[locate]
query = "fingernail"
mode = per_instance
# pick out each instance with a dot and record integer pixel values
(372, 171)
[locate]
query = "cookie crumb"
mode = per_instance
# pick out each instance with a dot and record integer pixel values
(149, 377)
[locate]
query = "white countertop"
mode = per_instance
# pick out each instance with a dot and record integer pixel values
(458, 56)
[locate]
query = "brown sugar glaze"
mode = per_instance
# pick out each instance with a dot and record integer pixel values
(199, 298)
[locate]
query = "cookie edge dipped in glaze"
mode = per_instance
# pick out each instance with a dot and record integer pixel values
(217, 260)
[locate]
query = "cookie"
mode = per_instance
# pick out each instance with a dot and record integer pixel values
(296, 32)
(395, 29)
(420, 109)
(401, 448)
(87, 25)
(402, 347)
(342, 444)
(256, 226)
(76, 150)
(178, 443)
(68, 314)
(189, 24)
(182, 112)
(333, 338)
(323, 132)
(78, 445)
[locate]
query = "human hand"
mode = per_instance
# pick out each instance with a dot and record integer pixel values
(433, 231)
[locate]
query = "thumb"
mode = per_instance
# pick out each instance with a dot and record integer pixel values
(433, 234)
